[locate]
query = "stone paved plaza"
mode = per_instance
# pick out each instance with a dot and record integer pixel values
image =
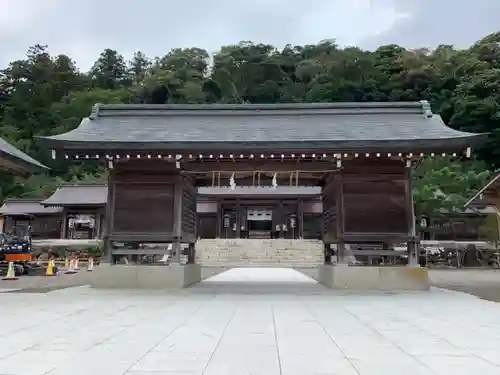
(247, 322)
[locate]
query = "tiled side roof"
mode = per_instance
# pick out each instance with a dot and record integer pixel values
(327, 125)
(13, 207)
(78, 195)
(19, 159)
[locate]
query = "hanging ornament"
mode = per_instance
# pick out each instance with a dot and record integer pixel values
(232, 182)
(275, 181)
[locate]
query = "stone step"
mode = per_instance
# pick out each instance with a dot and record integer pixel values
(254, 252)
(233, 260)
(263, 265)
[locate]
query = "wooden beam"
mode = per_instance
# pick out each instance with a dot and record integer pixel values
(207, 182)
(378, 237)
(149, 237)
(257, 165)
(370, 177)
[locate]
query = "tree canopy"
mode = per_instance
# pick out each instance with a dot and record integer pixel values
(44, 94)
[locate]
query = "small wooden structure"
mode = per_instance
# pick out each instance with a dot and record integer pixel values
(19, 214)
(83, 209)
(360, 154)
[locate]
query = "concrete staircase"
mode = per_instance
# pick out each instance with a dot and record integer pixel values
(259, 253)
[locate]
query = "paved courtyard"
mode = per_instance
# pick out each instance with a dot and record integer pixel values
(247, 322)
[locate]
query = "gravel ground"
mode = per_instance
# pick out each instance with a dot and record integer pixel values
(483, 283)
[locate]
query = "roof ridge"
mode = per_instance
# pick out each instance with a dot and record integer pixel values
(99, 109)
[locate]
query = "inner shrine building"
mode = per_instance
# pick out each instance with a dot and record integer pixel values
(359, 156)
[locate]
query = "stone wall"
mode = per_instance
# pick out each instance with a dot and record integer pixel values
(259, 253)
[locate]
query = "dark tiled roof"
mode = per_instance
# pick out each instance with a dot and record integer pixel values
(252, 191)
(13, 207)
(78, 195)
(343, 126)
(17, 161)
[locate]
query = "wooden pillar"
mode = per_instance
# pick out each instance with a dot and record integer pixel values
(281, 220)
(64, 225)
(110, 212)
(300, 219)
(176, 245)
(340, 217)
(191, 254)
(102, 221)
(219, 219)
(95, 230)
(413, 253)
(238, 219)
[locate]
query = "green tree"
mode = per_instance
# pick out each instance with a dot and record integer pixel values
(139, 67)
(44, 94)
(110, 70)
(443, 185)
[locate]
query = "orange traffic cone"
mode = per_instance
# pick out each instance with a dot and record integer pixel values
(76, 265)
(90, 266)
(71, 269)
(10, 273)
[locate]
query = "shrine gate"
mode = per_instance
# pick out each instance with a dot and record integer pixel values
(360, 154)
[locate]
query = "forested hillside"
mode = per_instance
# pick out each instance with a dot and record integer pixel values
(45, 94)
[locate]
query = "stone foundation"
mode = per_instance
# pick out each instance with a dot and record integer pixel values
(174, 276)
(374, 278)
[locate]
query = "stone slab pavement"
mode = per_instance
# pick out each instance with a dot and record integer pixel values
(247, 322)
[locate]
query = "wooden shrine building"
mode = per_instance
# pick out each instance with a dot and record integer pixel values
(83, 209)
(19, 214)
(18, 163)
(360, 154)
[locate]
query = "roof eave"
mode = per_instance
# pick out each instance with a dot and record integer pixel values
(75, 205)
(22, 167)
(410, 145)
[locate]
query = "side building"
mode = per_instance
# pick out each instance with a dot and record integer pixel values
(23, 215)
(16, 162)
(82, 207)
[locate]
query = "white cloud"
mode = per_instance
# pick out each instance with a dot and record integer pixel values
(85, 28)
(15, 15)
